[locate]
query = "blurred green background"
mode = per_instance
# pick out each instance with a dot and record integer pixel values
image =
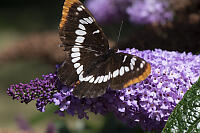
(19, 19)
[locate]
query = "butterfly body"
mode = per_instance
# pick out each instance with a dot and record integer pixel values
(90, 65)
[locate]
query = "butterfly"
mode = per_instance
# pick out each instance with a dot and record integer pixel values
(90, 65)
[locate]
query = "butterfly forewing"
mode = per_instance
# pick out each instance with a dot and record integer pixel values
(78, 26)
(66, 72)
(127, 70)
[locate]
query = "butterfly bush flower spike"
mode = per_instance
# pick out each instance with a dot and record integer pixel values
(41, 90)
(148, 103)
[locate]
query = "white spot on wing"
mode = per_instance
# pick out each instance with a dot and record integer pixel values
(79, 70)
(121, 72)
(80, 32)
(101, 79)
(79, 9)
(133, 62)
(97, 79)
(75, 49)
(126, 68)
(141, 65)
(88, 78)
(74, 60)
(75, 46)
(134, 59)
(80, 39)
(131, 65)
(97, 31)
(76, 65)
(81, 78)
(115, 73)
(91, 80)
(75, 54)
(82, 27)
(82, 7)
(88, 20)
(77, 43)
(125, 58)
(82, 21)
(105, 78)
(109, 75)
(96, 54)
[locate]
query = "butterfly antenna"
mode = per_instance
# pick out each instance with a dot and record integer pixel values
(120, 31)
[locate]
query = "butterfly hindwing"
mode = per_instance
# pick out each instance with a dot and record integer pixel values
(94, 83)
(76, 65)
(127, 70)
(79, 27)
(81, 72)
(66, 72)
(89, 90)
(118, 71)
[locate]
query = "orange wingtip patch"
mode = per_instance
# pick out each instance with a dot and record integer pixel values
(66, 7)
(140, 78)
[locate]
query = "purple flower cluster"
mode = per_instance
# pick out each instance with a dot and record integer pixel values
(150, 11)
(103, 10)
(138, 11)
(41, 90)
(148, 103)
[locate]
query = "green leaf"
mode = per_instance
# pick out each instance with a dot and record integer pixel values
(185, 118)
